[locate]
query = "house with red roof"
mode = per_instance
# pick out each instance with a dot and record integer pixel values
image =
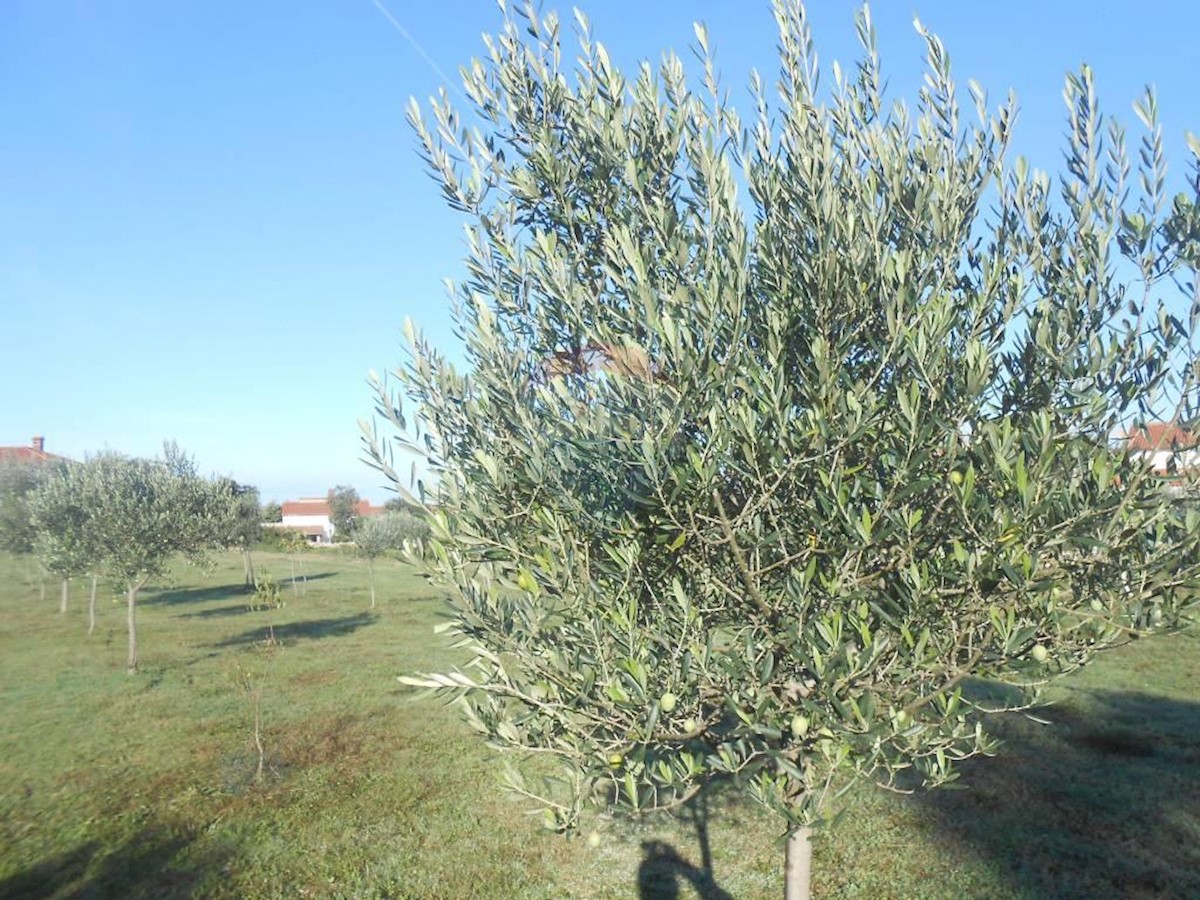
(33, 454)
(1166, 446)
(312, 517)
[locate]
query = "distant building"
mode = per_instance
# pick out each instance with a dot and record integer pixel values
(1166, 446)
(35, 453)
(310, 516)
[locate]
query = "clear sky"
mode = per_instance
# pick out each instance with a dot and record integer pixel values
(213, 221)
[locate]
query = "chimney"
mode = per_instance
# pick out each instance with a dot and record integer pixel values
(39, 443)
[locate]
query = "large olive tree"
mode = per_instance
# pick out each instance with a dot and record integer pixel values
(772, 435)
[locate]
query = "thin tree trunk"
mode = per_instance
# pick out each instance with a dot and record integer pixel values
(798, 868)
(42, 585)
(64, 596)
(295, 590)
(371, 573)
(248, 565)
(303, 576)
(258, 736)
(92, 607)
(131, 617)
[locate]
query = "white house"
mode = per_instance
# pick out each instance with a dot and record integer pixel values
(311, 517)
(1166, 446)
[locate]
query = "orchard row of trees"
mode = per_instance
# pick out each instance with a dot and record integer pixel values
(123, 519)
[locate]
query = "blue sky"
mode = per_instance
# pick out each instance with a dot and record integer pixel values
(213, 221)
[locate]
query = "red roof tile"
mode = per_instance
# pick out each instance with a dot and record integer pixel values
(309, 506)
(34, 453)
(1161, 436)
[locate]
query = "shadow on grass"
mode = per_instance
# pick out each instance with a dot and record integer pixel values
(1104, 802)
(218, 612)
(193, 595)
(663, 871)
(300, 579)
(150, 864)
(313, 629)
(216, 592)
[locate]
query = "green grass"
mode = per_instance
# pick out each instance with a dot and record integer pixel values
(145, 786)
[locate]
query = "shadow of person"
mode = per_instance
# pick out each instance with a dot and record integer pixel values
(661, 871)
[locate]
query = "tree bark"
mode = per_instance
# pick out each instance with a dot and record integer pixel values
(248, 565)
(258, 736)
(92, 607)
(64, 596)
(798, 868)
(131, 618)
(371, 574)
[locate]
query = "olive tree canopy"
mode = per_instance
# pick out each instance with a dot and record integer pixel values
(773, 431)
(141, 513)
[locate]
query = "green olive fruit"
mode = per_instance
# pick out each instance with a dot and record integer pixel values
(525, 581)
(616, 760)
(800, 726)
(667, 702)
(689, 725)
(1039, 653)
(956, 478)
(593, 840)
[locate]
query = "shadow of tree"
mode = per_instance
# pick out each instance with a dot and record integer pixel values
(149, 864)
(663, 870)
(218, 612)
(312, 629)
(1103, 802)
(301, 579)
(215, 592)
(192, 595)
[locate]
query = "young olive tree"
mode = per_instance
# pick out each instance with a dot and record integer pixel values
(64, 533)
(378, 535)
(142, 513)
(243, 521)
(295, 543)
(343, 512)
(772, 435)
(18, 480)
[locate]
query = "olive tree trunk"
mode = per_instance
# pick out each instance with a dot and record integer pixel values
(64, 595)
(248, 565)
(92, 607)
(371, 575)
(798, 867)
(131, 618)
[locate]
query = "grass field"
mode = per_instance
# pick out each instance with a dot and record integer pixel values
(145, 786)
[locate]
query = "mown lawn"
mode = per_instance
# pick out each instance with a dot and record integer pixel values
(144, 786)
